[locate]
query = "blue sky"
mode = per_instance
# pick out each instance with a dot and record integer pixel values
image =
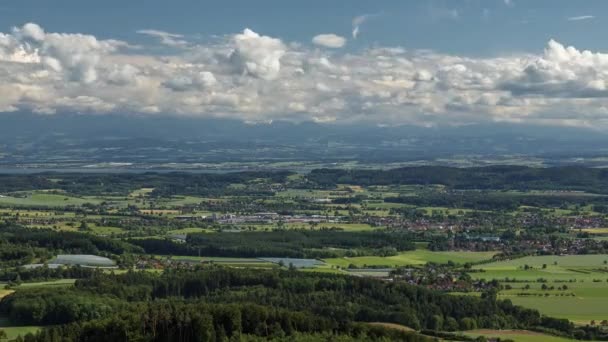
(474, 27)
(416, 62)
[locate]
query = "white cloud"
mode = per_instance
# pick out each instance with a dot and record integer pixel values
(563, 72)
(258, 78)
(256, 55)
(329, 40)
(166, 38)
(580, 17)
(74, 55)
(197, 81)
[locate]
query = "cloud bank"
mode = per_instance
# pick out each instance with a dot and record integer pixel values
(258, 78)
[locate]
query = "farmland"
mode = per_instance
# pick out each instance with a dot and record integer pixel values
(413, 258)
(541, 249)
(585, 277)
(516, 335)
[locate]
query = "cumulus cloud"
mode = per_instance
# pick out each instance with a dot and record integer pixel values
(74, 55)
(197, 81)
(256, 55)
(563, 72)
(260, 78)
(329, 40)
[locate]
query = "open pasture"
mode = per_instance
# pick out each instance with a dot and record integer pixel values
(412, 258)
(12, 332)
(537, 286)
(515, 335)
(594, 260)
(43, 199)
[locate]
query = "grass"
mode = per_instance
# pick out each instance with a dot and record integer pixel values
(412, 258)
(593, 230)
(60, 282)
(143, 192)
(515, 335)
(538, 261)
(43, 199)
(586, 276)
(188, 230)
(392, 326)
(102, 230)
(13, 332)
(3, 292)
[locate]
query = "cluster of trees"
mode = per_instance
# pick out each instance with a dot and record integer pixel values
(216, 302)
(282, 243)
(491, 177)
(20, 274)
(69, 242)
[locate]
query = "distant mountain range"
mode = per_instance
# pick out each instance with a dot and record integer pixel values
(78, 140)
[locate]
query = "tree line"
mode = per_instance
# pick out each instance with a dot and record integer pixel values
(152, 307)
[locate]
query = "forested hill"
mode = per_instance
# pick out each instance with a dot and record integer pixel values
(491, 177)
(220, 304)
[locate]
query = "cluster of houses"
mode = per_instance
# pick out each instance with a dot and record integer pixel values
(270, 217)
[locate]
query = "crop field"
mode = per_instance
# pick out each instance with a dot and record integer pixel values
(417, 257)
(143, 192)
(584, 276)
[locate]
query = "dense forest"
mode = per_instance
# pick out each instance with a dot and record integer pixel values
(480, 200)
(165, 184)
(283, 243)
(216, 304)
(491, 177)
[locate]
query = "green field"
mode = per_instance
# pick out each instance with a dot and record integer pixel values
(596, 260)
(515, 335)
(586, 278)
(60, 282)
(417, 257)
(188, 230)
(13, 332)
(43, 199)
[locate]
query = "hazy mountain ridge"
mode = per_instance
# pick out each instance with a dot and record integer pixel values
(72, 138)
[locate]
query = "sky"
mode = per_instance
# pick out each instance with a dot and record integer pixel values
(380, 62)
